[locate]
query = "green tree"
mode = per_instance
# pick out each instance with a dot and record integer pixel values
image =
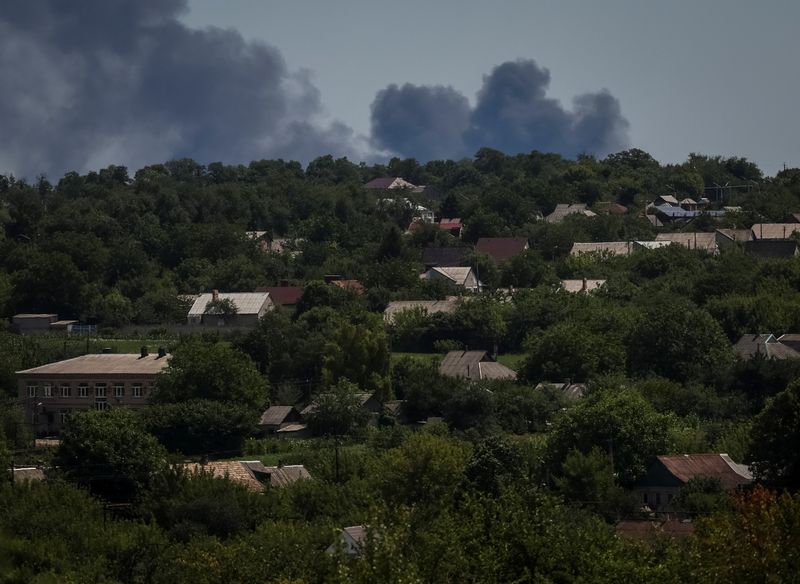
(212, 371)
(110, 452)
(775, 440)
(621, 422)
(338, 412)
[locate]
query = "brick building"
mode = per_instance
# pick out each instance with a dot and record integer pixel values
(50, 393)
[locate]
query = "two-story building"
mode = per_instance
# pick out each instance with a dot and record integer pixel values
(50, 393)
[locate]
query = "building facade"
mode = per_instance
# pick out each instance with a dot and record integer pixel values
(50, 393)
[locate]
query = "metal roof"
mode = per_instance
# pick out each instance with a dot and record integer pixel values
(688, 466)
(474, 365)
(774, 230)
(612, 247)
(282, 476)
(501, 248)
(564, 209)
(693, 240)
(429, 306)
(246, 302)
(102, 364)
(275, 415)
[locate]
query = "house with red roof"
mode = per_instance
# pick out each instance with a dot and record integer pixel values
(667, 474)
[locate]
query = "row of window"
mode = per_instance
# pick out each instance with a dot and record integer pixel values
(655, 500)
(100, 390)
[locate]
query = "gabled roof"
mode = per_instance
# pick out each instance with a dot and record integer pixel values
(275, 415)
(283, 295)
(429, 306)
(610, 247)
(238, 471)
(584, 285)
(389, 182)
(669, 199)
(246, 302)
(735, 234)
(750, 345)
(282, 476)
(774, 230)
(363, 398)
(564, 209)
(353, 286)
(447, 223)
(474, 365)
(445, 256)
(688, 466)
(501, 249)
(457, 275)
(694, 240)
(102, 364)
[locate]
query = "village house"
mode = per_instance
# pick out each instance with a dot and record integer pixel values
(452, 225)
(584, 285)
(562, 210)
(248, 307)
(768, 346)
(52, 392)
(774, 230)
(427, 306)
(445, 257)
(252, 474)
(728, 238)
(771, 248)
(475, 366)
(667, 474)
(26, 324)
(350, 540)
(368, 401)
(283, 295)
(693, 240)
(462, 277)
(501, 249)
(276, 417)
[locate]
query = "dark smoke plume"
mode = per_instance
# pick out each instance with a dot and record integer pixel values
(512, 114)
(96, 82)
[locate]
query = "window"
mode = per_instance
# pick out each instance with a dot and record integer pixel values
(31, 390)
(66, 390)
(47, 390)
(101, 405)
(83, 390)
(100, 390)
(119, 390)
(63, 416)
(137, 390)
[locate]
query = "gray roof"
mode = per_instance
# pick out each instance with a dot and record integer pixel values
(584, 285)
(281, 476)
(694, 240)
(275, 415)
(474, 365)
(610, 247)
(445, 256)
(246, 302)
(750, 345)
(429, 306)
(102, 364)
(564, 209)
(774, 230)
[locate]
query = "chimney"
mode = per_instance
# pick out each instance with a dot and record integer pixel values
(162, 352)
(215, 295)
(144, 352)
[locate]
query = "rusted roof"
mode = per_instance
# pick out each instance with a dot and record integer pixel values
(283, 295)
(102, 364)
(275, 415)
(688, 466)
(694, 240)
(353, 286)
(238, 471)
(774, 230)
(501, 249)
(474, 365)
(648, 530)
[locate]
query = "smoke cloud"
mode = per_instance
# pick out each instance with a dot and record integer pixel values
(96, 82)
(512, 114)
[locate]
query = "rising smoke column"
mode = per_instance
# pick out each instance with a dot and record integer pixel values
(95, 82)
(512, 113)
